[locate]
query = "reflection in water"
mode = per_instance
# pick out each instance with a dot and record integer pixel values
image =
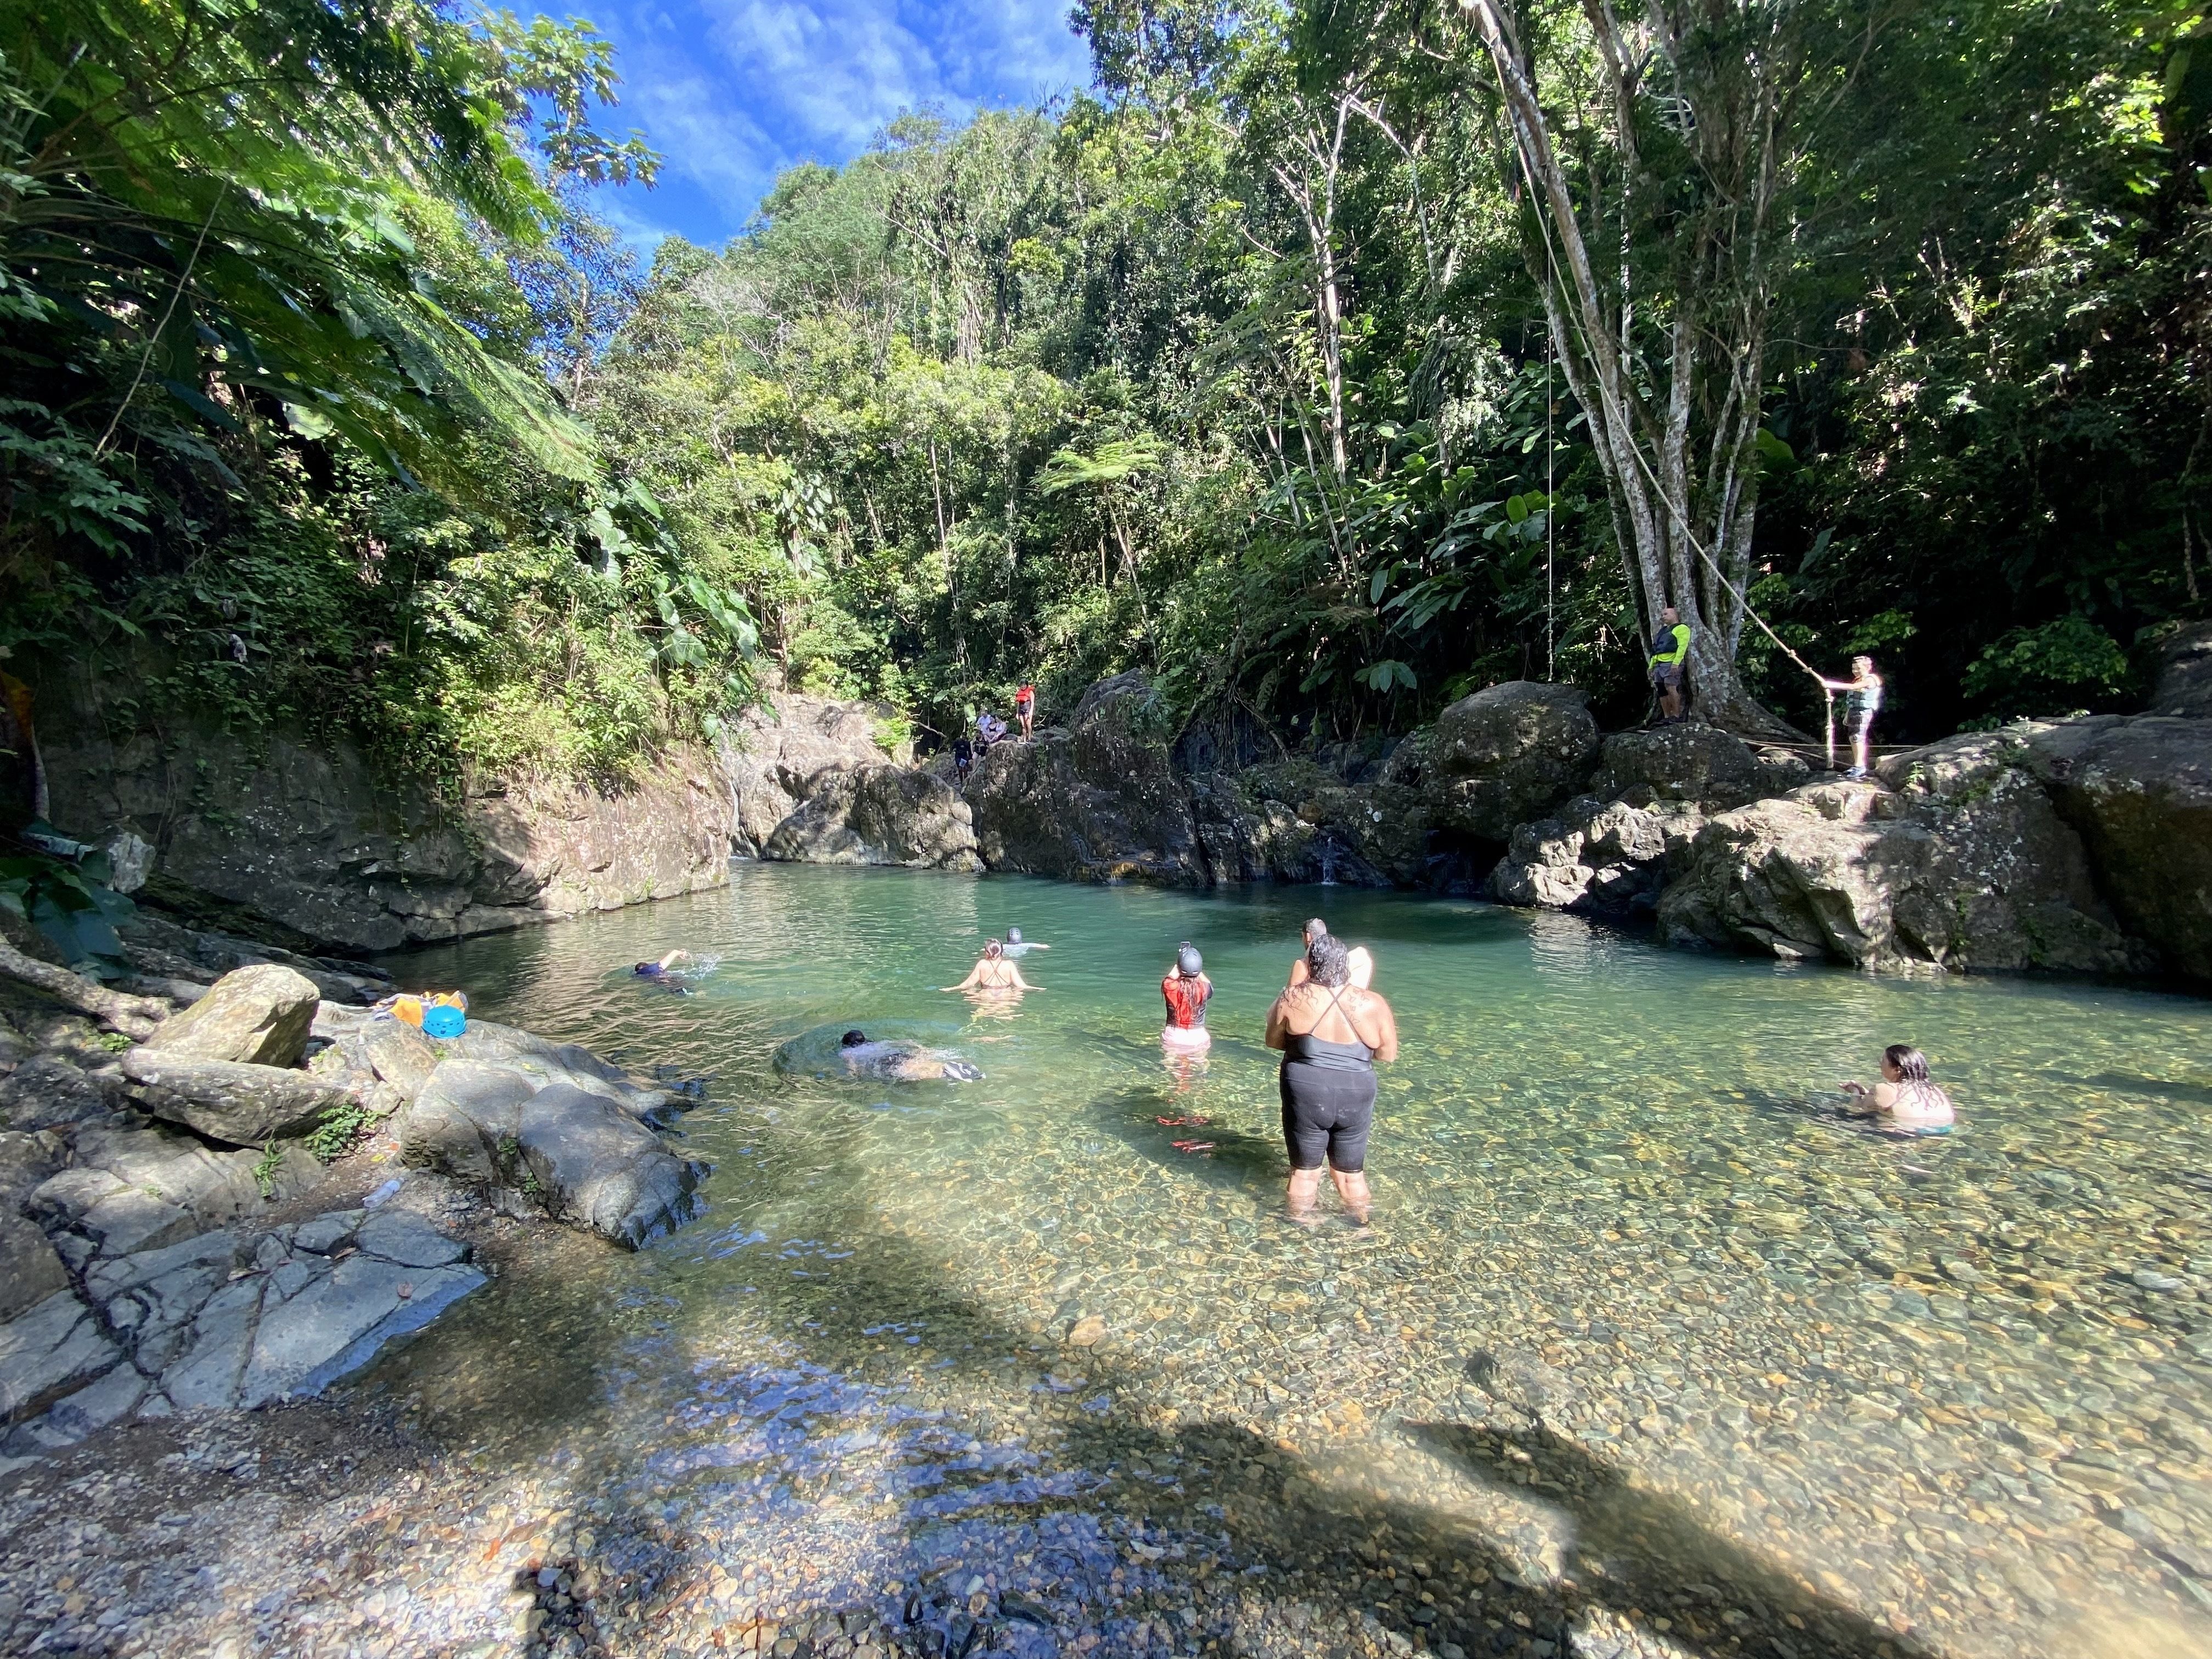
(1643, 1338)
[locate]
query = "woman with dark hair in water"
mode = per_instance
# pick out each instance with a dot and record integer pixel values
(1330, 1033)
(1905, 1096)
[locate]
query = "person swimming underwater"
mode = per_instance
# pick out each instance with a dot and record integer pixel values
(1187, 990)
(900, 1062)
(1016, 945)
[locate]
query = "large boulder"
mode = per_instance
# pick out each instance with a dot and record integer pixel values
(1503, 756)
(226, 1319)
(2185, 675)
(1969, 867)
(878, 815)
(240, 1104)
(132, 1190)
(2139, 794)
(255, 1016)
(1702, 765)
(560, 1150)
(30, 1272)
(52, 1350)
(47, 1092)
(1099, 801)
(601, 1169)
(1296, 821)
(542, 1062)
(775, 754)
(1606, 858)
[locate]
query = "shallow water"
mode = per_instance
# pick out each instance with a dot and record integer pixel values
(1641, 1339)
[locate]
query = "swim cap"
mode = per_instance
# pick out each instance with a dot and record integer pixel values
(1189, 963)
(1014, 936)
(852, 1039)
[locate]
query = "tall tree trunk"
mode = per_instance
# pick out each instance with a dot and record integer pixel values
(1677, 448)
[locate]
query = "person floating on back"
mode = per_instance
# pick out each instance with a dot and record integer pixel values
(1904, 1097)
(1026, 709)
(1670, 651)
(1331, 1034)
(993, 974)
(1861, 703)
(1187, 990)
(1361, 960)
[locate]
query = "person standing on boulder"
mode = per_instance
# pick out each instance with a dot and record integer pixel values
(1670, 651)
(1861, 703)
(1026, 709)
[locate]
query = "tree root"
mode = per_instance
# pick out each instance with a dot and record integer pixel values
(135, 1017)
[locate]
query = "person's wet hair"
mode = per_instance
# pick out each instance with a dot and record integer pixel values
(1911, 1065)
(1014, 936)
(852, 1039)
(1328, 962)
(1316, 928)
(993, 948)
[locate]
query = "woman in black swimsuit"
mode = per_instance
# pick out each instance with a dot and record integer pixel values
(1331, 1034)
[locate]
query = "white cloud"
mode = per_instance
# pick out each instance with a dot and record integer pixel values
(733, 91)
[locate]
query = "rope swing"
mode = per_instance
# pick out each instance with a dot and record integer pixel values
(1567, 313)
(1551, 511)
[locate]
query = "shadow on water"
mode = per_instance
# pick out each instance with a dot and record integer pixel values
(1008, 1537)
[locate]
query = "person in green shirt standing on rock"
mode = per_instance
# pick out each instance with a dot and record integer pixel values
(1670, 650)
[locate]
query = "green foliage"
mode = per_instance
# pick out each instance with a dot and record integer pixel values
(266, 1168)
(2055, 668)
(337, 1130)
(330, 408)
(69, 903)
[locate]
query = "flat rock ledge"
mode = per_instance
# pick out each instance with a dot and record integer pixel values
(224, 1320)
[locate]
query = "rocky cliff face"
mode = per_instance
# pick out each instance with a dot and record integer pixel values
(318, 840)
(2081, 846)
(2073, 846)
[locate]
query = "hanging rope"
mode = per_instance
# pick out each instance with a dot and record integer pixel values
(1681, 523)
(1551, 513)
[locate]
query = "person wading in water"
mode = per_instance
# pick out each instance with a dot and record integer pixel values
(992, 973)
(1187, 990)
(1331, 1034)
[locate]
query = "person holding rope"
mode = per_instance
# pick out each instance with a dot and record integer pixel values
(1862, 701)
(1670, 650)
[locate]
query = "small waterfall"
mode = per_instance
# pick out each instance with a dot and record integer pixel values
(1328, 858)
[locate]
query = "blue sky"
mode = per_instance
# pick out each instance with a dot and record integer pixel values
(732, 91)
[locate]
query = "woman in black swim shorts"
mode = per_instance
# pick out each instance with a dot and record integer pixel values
(1331, 1034)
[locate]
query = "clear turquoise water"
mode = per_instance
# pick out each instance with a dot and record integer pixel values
(1919, 1386)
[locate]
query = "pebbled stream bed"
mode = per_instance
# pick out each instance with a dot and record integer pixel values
(1645, 1352)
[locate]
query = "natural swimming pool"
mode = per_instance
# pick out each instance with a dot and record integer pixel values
(1642, 1345)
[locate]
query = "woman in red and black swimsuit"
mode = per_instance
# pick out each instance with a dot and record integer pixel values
(1026, 709)
(1187, 991)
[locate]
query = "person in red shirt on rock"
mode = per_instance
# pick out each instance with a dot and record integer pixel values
(1026, 709)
